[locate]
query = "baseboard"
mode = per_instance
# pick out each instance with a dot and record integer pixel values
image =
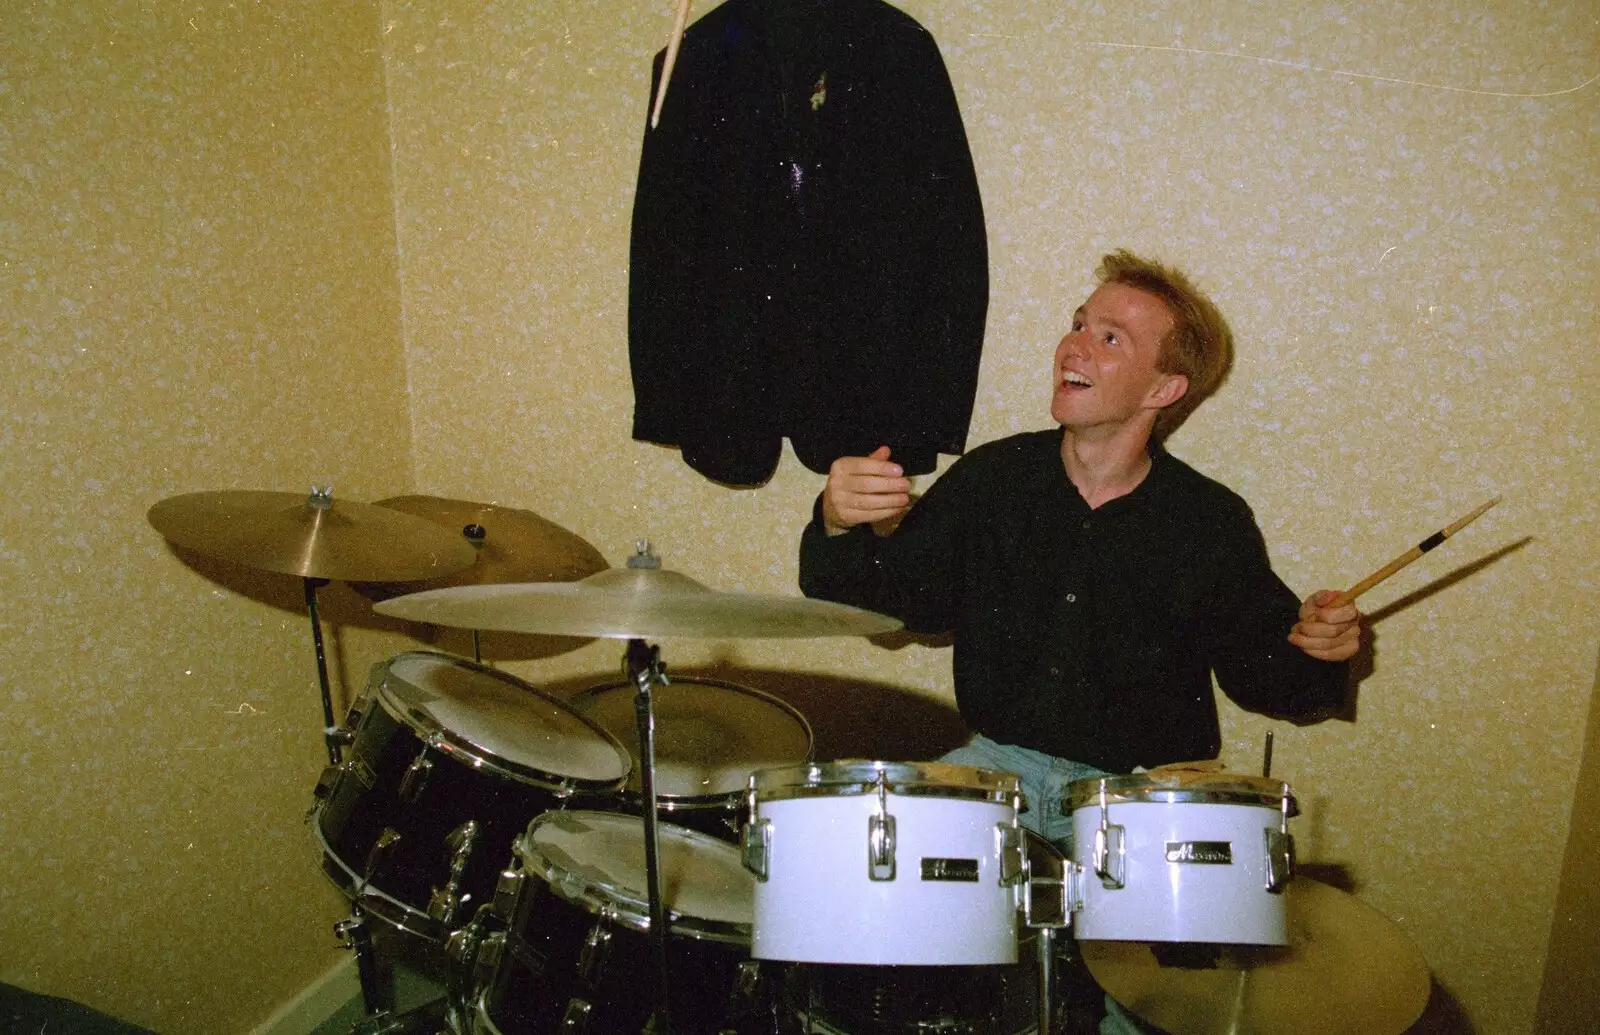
(314, 1004)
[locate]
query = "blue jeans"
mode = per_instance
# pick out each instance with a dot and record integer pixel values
(1044, 784)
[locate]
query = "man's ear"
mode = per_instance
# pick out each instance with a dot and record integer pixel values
(1169, 391)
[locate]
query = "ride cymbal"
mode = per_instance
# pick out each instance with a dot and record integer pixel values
(511, 546)
(634, 603)
(1347, 970)
(312, 536)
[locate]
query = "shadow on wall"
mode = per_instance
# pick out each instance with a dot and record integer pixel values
(1444, 1015)
(849, 718)
(340, 606)
(1366, 660)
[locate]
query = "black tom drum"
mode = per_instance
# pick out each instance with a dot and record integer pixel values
(448, 763)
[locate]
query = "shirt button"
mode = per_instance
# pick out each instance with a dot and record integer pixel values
(1086, 525)
(1072, 598)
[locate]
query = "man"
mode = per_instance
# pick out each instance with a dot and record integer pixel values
(1093, 582)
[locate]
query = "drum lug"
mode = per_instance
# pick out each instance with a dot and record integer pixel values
(749, 979)
(755, 844)
(325, 782)
(379, 853)
(880, 847)
(575, 1021)
(1280, 859)
(596, 946)
(1076, 874)
(466, 949)
(1110, 857)
(357, 766)
(880, 836)
(506, 892)
(1110, 854)
(325, 785)
(488, 960)
(442, 905)
(416, 778)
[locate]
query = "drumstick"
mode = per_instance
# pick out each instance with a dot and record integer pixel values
(1410, 555)
(671, 59)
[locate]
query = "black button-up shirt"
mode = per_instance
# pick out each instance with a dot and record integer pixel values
(1087, 634)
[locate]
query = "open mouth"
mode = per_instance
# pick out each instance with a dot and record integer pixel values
(1073, 379)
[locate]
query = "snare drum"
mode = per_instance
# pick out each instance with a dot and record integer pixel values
(449, 762)
(885, 863)
(577, 956)
(710, 736)
(1182, 856)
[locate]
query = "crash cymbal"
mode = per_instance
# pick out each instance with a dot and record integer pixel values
(634, 603)
(312, 536)
(1347, 970)
(511, 545)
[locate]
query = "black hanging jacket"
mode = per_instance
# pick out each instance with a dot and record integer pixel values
(808, 255)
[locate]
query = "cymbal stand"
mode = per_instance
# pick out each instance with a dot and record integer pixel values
(1047, 906)
(330, 732)
(645, 668)
(475, 534)
(377, 995)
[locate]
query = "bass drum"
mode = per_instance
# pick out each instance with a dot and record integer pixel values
(710, 735)
(577, 956)
(828, 999)
(448, 763)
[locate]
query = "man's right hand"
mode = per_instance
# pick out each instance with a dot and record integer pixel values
(864, 488)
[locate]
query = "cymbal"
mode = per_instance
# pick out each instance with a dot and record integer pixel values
(511, 546)
(1347, 970)
(634, 603)
(312, 536)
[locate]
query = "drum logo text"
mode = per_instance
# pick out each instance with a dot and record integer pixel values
(950, 869)
(1216, 852)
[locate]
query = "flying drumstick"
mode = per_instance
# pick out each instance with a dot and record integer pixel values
(1410, 555)
(671, 59)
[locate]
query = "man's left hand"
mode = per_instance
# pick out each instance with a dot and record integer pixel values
(1324, 632)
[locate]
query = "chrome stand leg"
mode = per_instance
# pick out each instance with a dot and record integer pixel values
(376, 994)
(1047, 952)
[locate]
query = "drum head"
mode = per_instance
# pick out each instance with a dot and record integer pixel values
(1174, 786)
(859, 776)
(710, 735)
(596, 860)
(502, 723)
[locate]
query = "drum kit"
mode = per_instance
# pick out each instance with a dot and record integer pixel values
(517, 836)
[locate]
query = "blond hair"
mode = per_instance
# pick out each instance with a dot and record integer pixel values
(1200, 345)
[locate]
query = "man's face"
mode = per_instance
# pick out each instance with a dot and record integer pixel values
(1105, 369)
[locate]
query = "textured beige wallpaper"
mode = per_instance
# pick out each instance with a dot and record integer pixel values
(211, 282)
(1393, 202)
(200, 292)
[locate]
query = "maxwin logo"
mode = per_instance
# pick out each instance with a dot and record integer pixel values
(1213, 852)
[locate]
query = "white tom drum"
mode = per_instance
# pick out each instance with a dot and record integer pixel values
(884, 863)
(1182, 856)
(710, 735)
